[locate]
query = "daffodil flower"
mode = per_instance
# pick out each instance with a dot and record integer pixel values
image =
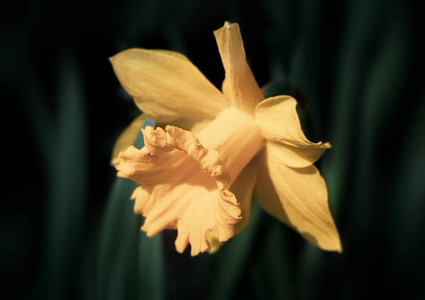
(212, 150)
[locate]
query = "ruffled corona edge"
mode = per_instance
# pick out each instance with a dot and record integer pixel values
(183, 186)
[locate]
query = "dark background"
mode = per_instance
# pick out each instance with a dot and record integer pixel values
(68, 231)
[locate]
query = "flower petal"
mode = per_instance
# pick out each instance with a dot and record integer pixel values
(166, 85)
(297, 197)
(279, 122)
(239, 85)
(242, 188)
(127, 138)
(181, 188)
(191, 125)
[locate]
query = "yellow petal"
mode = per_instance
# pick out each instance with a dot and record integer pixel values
(127, 138)
(166, 85)
(278, 119)
(185, 179)
(239, 85)
(297, 197)
(187, 124)
(242, 188)
(181, 188)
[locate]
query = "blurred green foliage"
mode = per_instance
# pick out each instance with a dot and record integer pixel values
(68, 229)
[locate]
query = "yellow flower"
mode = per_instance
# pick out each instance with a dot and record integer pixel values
(218, 148)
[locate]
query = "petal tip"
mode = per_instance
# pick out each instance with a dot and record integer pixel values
(115, 161)
(327, 145)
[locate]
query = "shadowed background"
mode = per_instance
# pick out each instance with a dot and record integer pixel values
(68, 228)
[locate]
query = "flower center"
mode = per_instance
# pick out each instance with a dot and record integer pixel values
(235, 136)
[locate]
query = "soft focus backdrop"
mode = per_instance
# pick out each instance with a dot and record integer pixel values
(68, 230)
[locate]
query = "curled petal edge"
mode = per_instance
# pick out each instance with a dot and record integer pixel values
(222, 214)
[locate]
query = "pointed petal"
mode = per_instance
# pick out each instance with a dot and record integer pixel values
(278, 119)
(242, 188)
(297, 197)
(127, 138)
(239, 85)
(166, 85)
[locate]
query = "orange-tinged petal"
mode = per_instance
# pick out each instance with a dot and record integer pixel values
(185, 179)
(239, 86)
(297, 197)
(187, 124)
(242, 188)
(127, 138)
(166, 86)
(181, 188)
(278, 119)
